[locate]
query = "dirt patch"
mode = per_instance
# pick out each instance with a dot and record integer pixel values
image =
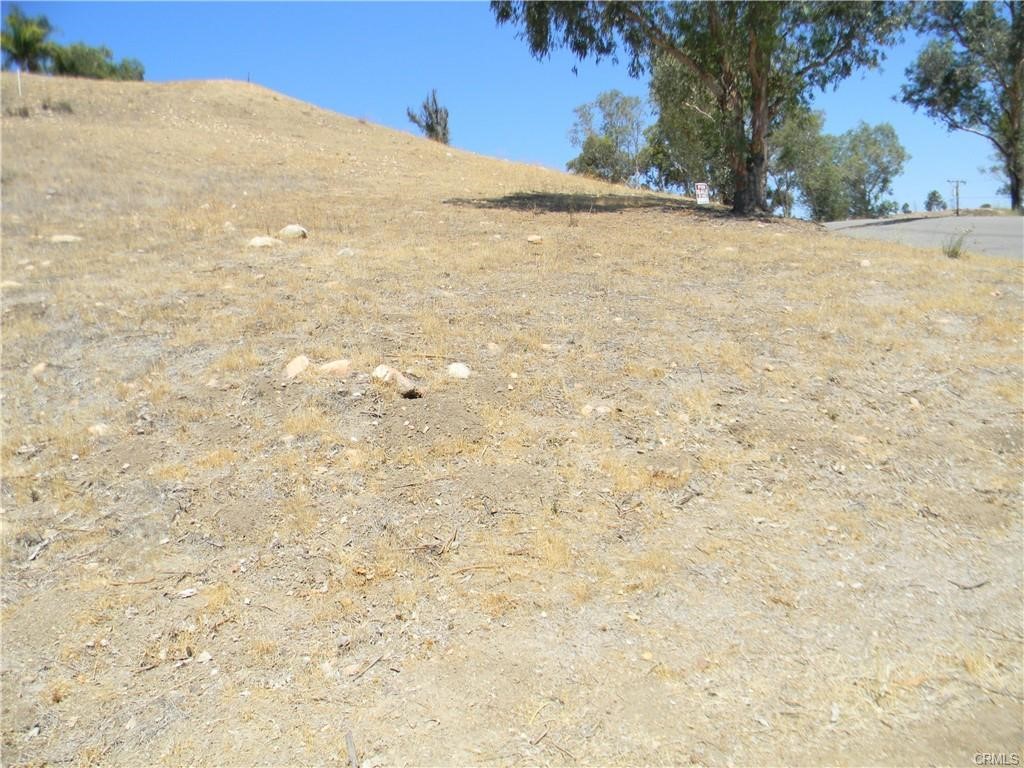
(715, 492)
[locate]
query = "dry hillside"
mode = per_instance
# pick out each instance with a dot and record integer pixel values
(715, 492)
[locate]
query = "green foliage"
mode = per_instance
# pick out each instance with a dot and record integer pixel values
(24, 41)
(870, 158)
(953, 246)
(934, 202)
(432, 119)
(25, 44)
(81, 60)
(609, 132)
(753, 60)
(971, 78)
(684, 145)
(845, 176)
(796, 147)
(906, 208)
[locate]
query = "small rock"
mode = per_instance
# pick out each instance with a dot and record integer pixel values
(293, 232)
(915, 404)
(99, 430)
(204, 657)
(346, 252)
(865, 262)
(296, 366)
(65, 239)
(38, 368)
(493, 348)
(10, 284)
(388, 375)
(458, 371)
(535, 239)
(344, 641)
(351, 670)
(264, 242)
(190, 592)
(337, 368)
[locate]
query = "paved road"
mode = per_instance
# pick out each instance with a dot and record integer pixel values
(994, 235)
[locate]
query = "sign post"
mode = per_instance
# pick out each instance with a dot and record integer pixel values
(703, 198)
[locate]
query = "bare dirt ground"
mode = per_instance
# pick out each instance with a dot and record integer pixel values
(716, 492)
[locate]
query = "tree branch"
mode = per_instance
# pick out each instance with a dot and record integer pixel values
(666, 44)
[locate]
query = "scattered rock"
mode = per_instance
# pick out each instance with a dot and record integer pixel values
(204, 657)
(535, 239)
(10, 284)
(99, 430)
(293, 232)
(865, 262)
(458, 371)
(38, 368)
(346, 251)
(493, 348)
(65, 239)
(296, 366)
(351, 670)
(264, 242)
(337, 368)
(404, 385)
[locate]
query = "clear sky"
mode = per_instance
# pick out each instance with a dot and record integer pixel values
(374, 59)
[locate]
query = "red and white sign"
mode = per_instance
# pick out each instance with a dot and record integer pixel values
(703, 198)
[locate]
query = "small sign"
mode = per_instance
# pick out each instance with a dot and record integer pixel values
(703, 198)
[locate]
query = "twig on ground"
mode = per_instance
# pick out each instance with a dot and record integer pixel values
(563, 750)
(367, 668)
(968, 586)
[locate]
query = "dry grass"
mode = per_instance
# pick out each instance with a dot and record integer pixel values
(701, 465)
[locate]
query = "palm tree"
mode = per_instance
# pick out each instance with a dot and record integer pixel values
(24, 42)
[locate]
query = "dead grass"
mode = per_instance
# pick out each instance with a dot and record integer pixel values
(685, 439)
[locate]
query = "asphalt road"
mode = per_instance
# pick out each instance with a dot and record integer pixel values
(992, 235)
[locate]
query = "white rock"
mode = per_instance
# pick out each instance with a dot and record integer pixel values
(458, 371)
(346, 251)
(99, 430)
(337, 368)
(388, 375)
(10, 284)
(204, 657)
(38, 368)
(264, 242)
(293, 231)
(865, 262)
(535, 239)
(296, 366)
(65, 239)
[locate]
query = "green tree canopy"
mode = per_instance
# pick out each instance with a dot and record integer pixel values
(755, 59)
(934, 202)
(24, 41)
(81, 60)
(432, 119)
(685, 145)
(971, 78)
(870, 156)
(609, 132)
(846, 176)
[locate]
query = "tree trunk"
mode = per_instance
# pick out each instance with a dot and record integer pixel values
(1015, 182)
(753, 175)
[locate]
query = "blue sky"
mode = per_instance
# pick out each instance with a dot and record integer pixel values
(374, 59)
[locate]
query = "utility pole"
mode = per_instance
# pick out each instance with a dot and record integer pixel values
(956, 191)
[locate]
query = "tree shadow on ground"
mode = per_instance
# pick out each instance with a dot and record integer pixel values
(567, 202)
